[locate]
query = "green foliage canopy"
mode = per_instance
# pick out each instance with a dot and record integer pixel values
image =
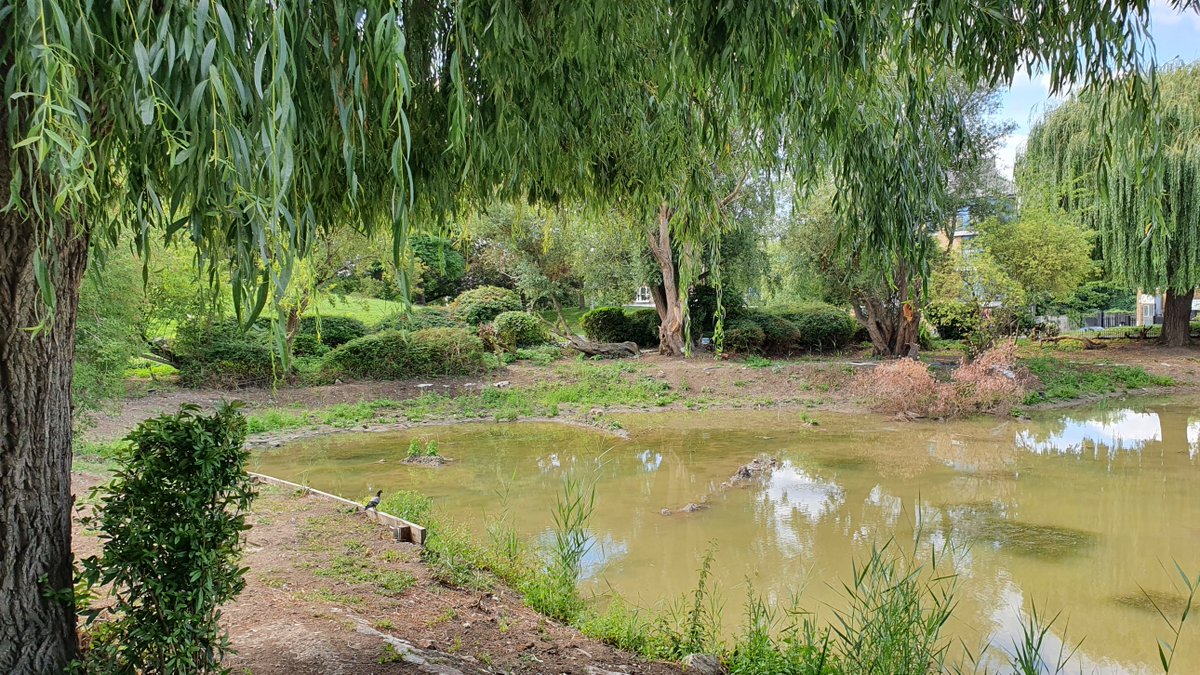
(1147, 214)
(213, 120)
(1044, 251)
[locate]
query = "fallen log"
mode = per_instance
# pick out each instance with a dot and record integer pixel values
(610, 350)
(1088, 343)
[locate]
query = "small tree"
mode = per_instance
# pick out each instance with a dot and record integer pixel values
(171, 521)
(1045, 251)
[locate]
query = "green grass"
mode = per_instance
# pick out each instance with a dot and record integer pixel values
(1062, 380)
(573, 315)
(96, 458)
(355, 567)
(368, 310)
(582, 384)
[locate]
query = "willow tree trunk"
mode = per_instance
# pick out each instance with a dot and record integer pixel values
(37, 615)
(891, 318)
(667, 300)
(1177, 314)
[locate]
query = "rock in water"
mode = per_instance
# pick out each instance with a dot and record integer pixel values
(760, 467)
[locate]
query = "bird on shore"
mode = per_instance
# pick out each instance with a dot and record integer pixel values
(374, 501)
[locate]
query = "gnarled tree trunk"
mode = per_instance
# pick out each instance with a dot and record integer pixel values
(37, 615)
(667, 300)
(1177, 314)
(891, 318)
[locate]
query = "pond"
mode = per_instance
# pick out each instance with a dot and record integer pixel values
(1084, 511)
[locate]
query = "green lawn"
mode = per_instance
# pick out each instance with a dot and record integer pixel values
(368, 310)
(573, 315)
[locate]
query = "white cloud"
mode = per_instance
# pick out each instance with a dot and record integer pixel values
(1162, 14)
(1006, 154)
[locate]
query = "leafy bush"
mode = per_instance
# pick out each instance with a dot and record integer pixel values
(614, 324)
(396, 354)
(443, 267)
(606, 324)
(520, 329)
(171, 520)
(481, 305)
(953, 320)
(702, 307)
(780, 336)
(332, 332)
(220, 352)
(644, 325)
(744, 336)
(421, 318)
(821, 327)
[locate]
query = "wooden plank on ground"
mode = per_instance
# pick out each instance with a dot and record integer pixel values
(401, 529)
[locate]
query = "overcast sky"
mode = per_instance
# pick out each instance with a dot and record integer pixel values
(1176, 38)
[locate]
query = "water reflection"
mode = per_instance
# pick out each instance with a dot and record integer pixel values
(1110, 432)
(1068, 511)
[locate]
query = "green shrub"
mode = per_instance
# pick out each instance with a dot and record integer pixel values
(520, 329)
(481, 305)
(421, 318)
(820, 327)
(171, 521)
(607, 324)
(780, 336)
(744, 336)
(702, 307)
(396, 354)
(953, 320)
(220, 352)
(443, 266)
(644, 325)
(614, 324)
(332, 332)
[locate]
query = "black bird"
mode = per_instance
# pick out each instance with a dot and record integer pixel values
(374, 501)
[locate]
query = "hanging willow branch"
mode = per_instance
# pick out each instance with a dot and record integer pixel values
(248, 126)
(1138, 185)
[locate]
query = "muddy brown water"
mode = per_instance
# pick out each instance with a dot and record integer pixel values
(1084, 512)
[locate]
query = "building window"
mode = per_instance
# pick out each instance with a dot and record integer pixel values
(643, 296)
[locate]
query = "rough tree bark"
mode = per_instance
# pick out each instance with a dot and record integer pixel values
(667, 300)
(1177, 313)
(37, 617)
(893, 322)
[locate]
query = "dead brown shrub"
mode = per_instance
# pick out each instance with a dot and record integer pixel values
(991, 384)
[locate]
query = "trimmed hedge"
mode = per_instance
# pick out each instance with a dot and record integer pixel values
(744, 337)
(421, 318)
(821, 327)
(481, 305)
(606, 324)
(644, 325)
(335, 331)
(789, 330)
(614, 324)
(520, 329)
(395, 354)
(222, 353)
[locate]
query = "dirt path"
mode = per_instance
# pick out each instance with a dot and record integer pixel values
(329, 592)
(813, 384)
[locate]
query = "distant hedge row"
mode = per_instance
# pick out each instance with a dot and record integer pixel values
(426, 342)
(783, 330)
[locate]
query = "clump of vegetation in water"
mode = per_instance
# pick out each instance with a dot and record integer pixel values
(417, 450)
(1063, 380)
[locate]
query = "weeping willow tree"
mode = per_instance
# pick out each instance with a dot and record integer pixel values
(250, 126)
(1149, 220)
